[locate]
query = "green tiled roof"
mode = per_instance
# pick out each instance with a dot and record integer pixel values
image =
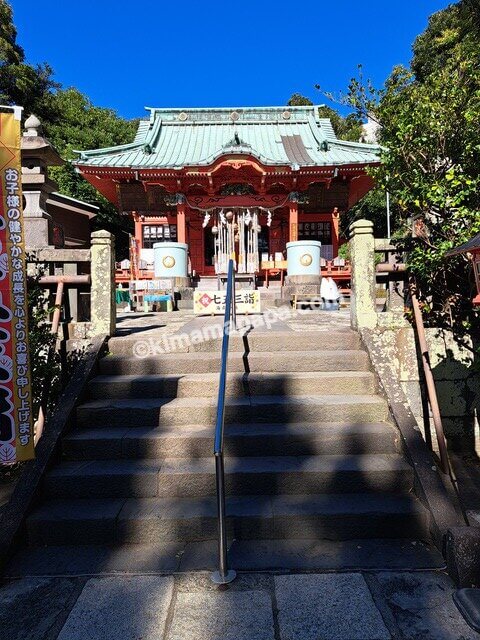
(176, 138)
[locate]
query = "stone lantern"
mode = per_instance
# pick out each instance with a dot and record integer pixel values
(37, 155)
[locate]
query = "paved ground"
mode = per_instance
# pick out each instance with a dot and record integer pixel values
(321, 606)
(283, 319)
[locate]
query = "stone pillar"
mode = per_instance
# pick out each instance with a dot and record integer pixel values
(363, 312)
(102, 302)
(37, 155)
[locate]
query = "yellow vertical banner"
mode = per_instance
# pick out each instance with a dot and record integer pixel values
(16, 419)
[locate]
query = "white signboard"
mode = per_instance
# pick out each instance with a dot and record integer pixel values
(213, 302)
(164, 284)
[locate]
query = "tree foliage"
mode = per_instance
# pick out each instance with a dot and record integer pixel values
(429, 116)
(85, 126)
(372, 206)
(69, 119)
(346, 128)
(30, 86)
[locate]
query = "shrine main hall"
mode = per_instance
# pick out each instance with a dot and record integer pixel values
(280, 171)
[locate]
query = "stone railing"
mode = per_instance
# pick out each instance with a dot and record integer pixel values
(452, 358)
(88, 309)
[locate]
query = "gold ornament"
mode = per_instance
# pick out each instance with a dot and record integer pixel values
(306, 260)
(168, 262)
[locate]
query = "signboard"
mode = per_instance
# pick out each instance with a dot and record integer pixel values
(213, 302)
(16, 423)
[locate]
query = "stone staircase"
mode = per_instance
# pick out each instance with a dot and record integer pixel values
(310, 451)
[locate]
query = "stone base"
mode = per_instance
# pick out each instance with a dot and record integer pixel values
(184, 293)
(301, 285)
(38, 232)
(462, 550)
(300, 289)
(303, 280)
(182, 282)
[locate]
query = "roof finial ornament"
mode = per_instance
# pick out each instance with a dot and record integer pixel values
(33, 126)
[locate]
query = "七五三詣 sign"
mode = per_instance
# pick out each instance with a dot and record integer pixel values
(16, 420)
(213, 302)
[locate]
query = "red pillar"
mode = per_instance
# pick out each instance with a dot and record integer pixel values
(335, 231)
(181, 223)
(293, 221)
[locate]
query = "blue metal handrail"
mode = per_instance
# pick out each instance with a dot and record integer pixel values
(223, 575)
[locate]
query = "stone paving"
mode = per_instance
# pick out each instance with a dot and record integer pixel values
(320, 606)
(165, 324)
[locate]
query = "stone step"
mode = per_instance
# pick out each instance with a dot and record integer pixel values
(146, 521)
(262, 362)
(193, 441)
(238, 384)
(180, 411)
(330, 338)
(245, 555)
(274, 475)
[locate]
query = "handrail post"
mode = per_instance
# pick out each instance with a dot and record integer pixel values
(223, 575)
(430, 382)
(234, 302)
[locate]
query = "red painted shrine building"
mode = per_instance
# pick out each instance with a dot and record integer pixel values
(187, 167)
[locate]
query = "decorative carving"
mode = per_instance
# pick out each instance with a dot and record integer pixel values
(209, 202)
(236, 189)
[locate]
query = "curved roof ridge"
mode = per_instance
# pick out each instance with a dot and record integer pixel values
(357, 145)
(109, 150)
(306, 107)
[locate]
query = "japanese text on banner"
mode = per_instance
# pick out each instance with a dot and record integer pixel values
(16, 420)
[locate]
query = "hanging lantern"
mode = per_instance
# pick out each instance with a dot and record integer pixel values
(229, 216)
(215, 230)
(237, 237)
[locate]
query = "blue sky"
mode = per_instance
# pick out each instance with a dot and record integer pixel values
(127, 55)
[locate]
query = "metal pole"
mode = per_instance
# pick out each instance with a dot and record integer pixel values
(234, 303)
(432, 394)
(224, 575)
(58, 308)
(388, 216)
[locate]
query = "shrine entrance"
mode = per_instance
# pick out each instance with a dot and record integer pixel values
(239, 232)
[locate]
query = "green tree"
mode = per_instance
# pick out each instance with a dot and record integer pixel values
(297, 100)
(30, 86)
(429, 116)
(85, 126)
(346, 128)
(69, 119)
(455, 28)
(372, 206)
